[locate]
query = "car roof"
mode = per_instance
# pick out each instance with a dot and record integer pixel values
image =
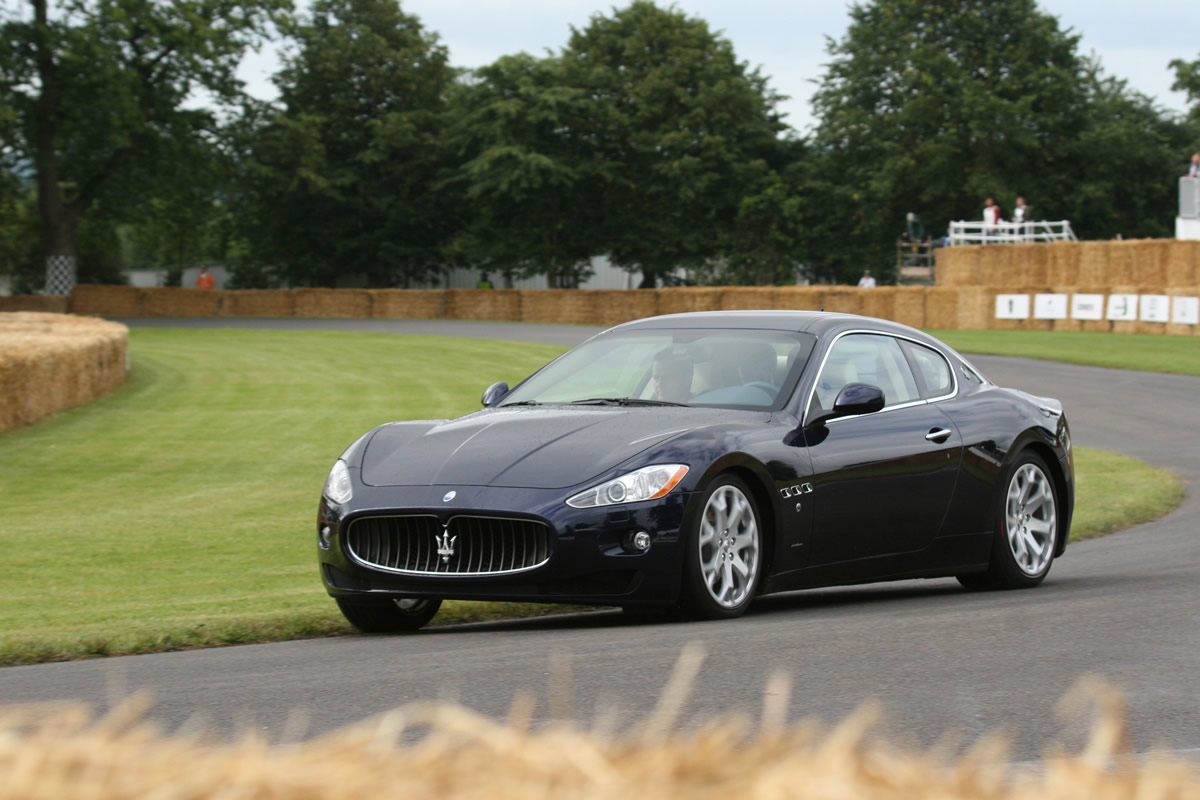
(818, 323)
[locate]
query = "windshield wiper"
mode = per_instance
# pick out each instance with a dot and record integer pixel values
(520, 403)
(624, 401)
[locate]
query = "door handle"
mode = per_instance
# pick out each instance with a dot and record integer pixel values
(938, 435)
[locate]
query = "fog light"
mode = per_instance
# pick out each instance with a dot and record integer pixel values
(640, 541)
(323, 537)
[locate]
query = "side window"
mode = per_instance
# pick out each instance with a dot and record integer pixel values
(867, 358)
(934, 371)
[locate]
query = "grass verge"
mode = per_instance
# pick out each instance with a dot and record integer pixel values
(1145, 352)
(179, 511)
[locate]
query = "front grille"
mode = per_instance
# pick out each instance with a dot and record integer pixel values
(419, 545)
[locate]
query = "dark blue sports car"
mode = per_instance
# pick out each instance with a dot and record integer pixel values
(694, 461)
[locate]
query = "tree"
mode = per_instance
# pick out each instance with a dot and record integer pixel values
(933, 106)
(682, 130)
(527, 172)
(342, 176)
(100, 92)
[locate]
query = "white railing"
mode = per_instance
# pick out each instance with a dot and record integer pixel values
(1189, 198)
(979, 232)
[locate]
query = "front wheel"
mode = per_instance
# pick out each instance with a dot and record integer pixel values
(724, 553)
(1026, 529)
(388, 615)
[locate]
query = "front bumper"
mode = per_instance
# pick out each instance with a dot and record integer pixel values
(590, 561)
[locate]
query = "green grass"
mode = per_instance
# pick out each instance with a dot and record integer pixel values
(1147, 352)
(180, 510)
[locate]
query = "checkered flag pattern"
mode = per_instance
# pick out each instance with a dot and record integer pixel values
(60, 274)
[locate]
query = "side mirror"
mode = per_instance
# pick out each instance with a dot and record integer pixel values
(853, 399)
(858, 398)
(494, 394)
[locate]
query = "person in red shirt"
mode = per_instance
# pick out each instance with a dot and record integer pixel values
(205, 280)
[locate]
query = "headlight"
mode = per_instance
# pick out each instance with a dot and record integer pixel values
(647, 483)
(337, 485)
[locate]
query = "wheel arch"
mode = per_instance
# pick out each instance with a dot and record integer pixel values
(754, 474)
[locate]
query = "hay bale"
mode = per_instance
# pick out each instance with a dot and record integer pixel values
(562, 306)
(488, 304)
(909, 306)
(677, 300)
(1030, 265)
(1062, 268)
(1180, 328)
(106, 301)
(735, 298)
(1093, 264)
(614, 306)
(332, 303)
(801, 298)
(176, 302)
(941, 307)
(957, 266)
(879, 302)
(1150, 258)
(257, 303)
(51, 362)
(1121, 258)
(995, 265)
(408, 303)
(845, 300)
(41, 303)
(1182, 258)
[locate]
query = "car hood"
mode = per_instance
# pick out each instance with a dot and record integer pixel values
(537, 448)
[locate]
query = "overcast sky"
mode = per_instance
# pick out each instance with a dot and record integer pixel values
(786, 38)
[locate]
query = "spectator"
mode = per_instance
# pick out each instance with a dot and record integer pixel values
(867, 281)
(991, 216)
(205, 280)
(1022, 214)
(1194, 169)
(484, 282)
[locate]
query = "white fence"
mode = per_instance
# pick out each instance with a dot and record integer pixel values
(979, 232)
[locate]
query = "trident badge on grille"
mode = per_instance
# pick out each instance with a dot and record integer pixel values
(445, 544)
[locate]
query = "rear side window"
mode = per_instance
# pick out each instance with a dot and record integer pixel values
(933, 369)
(866, 358)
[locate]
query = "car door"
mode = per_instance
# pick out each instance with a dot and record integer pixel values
(883, 481)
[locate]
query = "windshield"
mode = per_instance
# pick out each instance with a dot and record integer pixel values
(752, 369)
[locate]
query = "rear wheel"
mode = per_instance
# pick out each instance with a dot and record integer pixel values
(1026, 528)
(388, 616)
(724, 553)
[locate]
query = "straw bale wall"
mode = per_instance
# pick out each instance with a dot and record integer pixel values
(430, 750)
(569, 306)
(107, 301)
(51, 362)
(1161, 263)
(939, 307)
(957, 266)
(1063, 266)
(257, 303)
(490, 304)
(166, 302)
(44, 303)
(995, 266)
(1183, 264)
(408, 303)
(614, 306)
(332, 303)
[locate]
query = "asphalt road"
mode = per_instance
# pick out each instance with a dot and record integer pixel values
(939, 659)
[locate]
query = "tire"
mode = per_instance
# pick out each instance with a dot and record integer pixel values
(389, 616)
(723, 559)
(1026, 528)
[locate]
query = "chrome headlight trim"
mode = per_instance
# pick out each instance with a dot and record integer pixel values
(647, 483)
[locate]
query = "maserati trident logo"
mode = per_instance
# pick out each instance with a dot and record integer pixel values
(445, 544)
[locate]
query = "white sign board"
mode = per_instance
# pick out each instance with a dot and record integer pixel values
(1050, 306)
(1012, 306)
(1087, 306)
(1155, 308)
(1185, 310)
(1122, 307)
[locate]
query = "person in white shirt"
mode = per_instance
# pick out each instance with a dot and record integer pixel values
(991, 215)
(1194, 169)
(867, 281)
